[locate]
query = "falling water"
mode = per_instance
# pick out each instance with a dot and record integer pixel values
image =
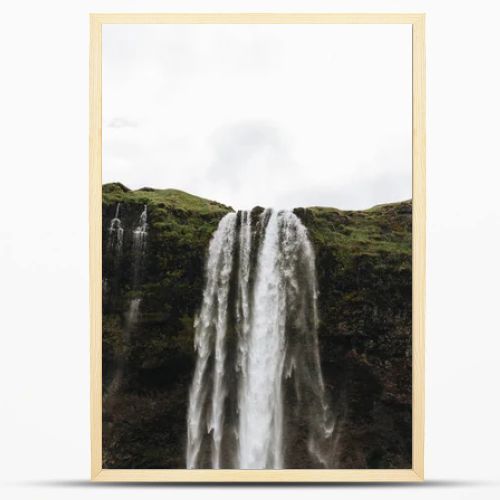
(261, 402)
(271, 284)
(210, 335)
(139, 237)
(141, 231)
(115, 232)
(139, 240)
(243, 305)
(132, 315)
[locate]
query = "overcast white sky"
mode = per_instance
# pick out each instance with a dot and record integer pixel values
(271, 115)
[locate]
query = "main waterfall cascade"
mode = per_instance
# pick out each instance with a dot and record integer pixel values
(258, 370)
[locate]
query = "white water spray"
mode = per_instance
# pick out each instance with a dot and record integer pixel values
(273, 283)
(139, 238)
(115, 231)
(141, 232)
(139, 241)
(261, 410)
(211, 326)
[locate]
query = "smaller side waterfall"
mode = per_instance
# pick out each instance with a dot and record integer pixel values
(141, 231)
(139, 240)
(115, 231)
(131, 318)
(132, 315)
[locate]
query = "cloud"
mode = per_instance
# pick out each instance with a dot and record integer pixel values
(122, 122)
(357, 194)
(280, 116)
(245, 150)
(249, 164)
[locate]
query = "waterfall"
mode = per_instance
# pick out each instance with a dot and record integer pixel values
(115, 232)
(139, 240)
(256, 336)
(132, 316)
(261, 403)
(140, 232)
(243, 310)
(210, 332)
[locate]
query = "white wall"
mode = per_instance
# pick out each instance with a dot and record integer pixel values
(43, 243)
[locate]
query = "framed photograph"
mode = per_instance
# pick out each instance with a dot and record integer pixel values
(257, 247)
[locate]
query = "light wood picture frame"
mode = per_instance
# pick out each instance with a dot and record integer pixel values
(416, 473)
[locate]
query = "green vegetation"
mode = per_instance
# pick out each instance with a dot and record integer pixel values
(383, 228)
(162, 198)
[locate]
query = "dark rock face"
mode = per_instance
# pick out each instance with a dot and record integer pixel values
(363, 262)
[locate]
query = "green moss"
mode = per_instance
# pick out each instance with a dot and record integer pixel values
(384, 228)
(161, 198)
